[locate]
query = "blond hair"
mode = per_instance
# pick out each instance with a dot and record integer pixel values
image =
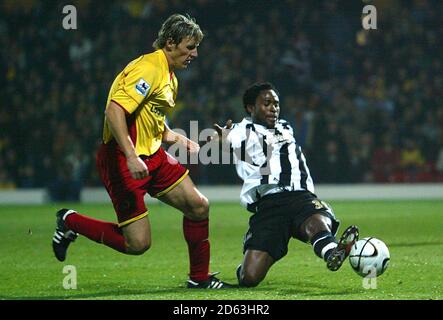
(177, 27)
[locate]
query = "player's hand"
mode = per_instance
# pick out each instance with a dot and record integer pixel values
(222, 133)
(137, 168)
(192, 147)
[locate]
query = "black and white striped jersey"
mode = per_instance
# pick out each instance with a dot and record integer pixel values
(268, 160)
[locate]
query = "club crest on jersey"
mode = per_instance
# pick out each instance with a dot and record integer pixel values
(142, 87)
(275, 136)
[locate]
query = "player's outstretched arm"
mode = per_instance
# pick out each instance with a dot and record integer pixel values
(170, 137)
(116, 118)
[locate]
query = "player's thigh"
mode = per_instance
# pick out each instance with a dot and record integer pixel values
(138, 235)
(256, 264)
(269, 231)
(188, 199)
(126, 193)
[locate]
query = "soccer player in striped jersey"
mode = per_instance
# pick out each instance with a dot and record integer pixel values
(278, 190)
(131, 161)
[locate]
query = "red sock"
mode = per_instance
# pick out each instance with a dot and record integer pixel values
(196, 235)
(104, 232)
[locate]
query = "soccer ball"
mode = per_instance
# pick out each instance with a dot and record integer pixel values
(369, 257)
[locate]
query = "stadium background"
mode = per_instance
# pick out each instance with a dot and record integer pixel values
(367, 106)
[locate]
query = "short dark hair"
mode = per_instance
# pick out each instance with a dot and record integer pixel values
(177, 27)
(251, 93)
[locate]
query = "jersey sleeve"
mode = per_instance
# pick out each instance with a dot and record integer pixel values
(286, 125)
(139, 81)
(243, 143)
(236, 136)
(291, 130)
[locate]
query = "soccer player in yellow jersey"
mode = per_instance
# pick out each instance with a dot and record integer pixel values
(131, 161)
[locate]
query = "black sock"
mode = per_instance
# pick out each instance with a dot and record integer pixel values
(323, 243)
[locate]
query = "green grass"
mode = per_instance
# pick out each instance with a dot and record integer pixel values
(413, 231)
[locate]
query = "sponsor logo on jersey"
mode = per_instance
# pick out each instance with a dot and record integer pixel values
(142, 87)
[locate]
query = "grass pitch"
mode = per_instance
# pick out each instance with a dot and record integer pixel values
(412, 230)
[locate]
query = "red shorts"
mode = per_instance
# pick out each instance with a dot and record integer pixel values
(127, 194)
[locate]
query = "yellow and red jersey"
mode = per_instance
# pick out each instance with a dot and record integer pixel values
(146, 90)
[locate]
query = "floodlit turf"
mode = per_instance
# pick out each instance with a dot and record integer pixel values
(28, 270)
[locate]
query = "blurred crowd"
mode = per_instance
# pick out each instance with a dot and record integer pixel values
(367, 105)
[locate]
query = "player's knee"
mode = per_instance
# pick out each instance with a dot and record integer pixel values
(138, 246)
(251, 278)
(200, 209)
(315, 224)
